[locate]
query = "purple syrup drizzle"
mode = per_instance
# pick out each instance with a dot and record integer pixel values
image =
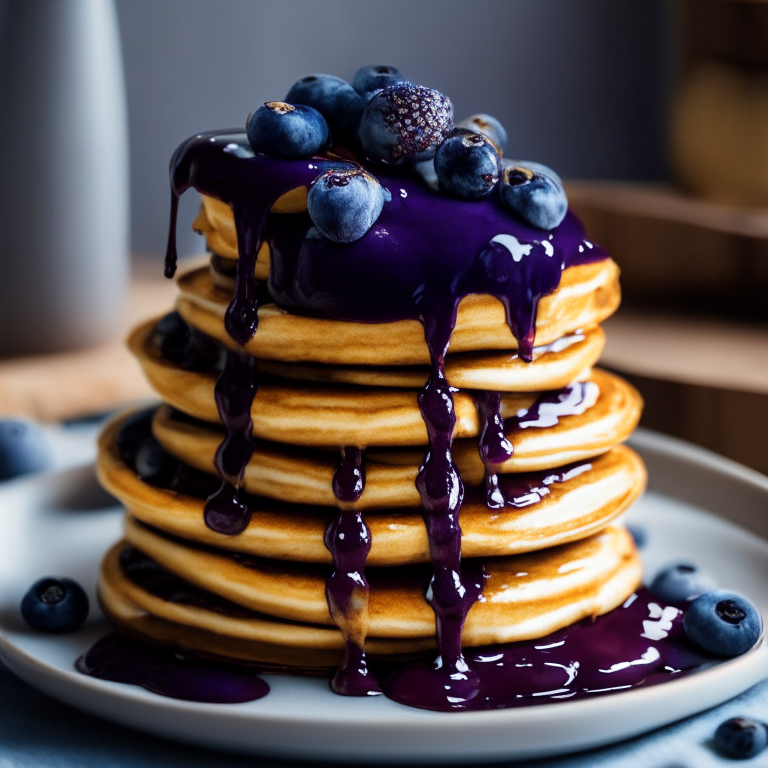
(550, 407)
(439, 484)
(348, 539)
(227, 511)
(493, 445)
(524, 489)
(639, 644)
(121, 659)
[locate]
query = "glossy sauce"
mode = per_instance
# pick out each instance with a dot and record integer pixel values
(348, 539)
(122, 660)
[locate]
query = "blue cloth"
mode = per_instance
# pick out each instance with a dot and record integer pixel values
(38, 732)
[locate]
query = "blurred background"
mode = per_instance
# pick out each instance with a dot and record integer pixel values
(655, 111)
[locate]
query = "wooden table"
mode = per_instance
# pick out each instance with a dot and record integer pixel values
(73, 384)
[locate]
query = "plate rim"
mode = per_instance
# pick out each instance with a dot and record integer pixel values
(26, 665)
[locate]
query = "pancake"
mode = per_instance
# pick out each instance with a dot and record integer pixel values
(525, 596)
(555, 366)
(587, 295)
(304, 476)
(543, 514)
(314, 414)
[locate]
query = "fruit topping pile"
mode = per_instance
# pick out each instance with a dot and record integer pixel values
(387, 120)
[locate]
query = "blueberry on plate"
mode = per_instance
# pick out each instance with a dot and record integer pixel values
(24, 448)
(369, 79)
(741, 737)
(405, 123)
(287, 131)
(335, 99)
(680, 582)
(488, 126)
(534, 195)
(723, 623)
(55, 605)
(344, 204)
(467, 165)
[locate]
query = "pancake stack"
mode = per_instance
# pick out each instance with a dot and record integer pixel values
(323, 485)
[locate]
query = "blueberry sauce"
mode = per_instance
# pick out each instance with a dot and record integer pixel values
(227, 511)
(550, 407)
(348, 539)
(439, 484)
(639, 644)
(524, 489)
(493, 445)
(161, 670)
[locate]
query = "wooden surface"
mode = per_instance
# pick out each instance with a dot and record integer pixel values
(702, 380)
(678, 252)
(88, 381)
(692, 333)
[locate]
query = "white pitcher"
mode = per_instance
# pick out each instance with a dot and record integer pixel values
(63, 176)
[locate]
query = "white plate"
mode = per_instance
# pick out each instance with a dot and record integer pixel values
(62, 524)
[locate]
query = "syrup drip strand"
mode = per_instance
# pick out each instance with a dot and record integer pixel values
(348, 539)
(493, 445)
(442, 493)
(227, 511)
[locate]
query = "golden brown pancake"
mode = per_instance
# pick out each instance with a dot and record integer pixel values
(525, 596)
(570, 510)
(587, 295)
(303, 476)
(554, 367)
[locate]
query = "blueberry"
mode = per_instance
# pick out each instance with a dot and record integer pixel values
(23, 448)
(741, 737)
(55, 605)
(680, 582)
(467, 165)
(335, 99)
(367, 80)
(723, 623)
(286, 131)
(344, 204)
(405, 123)
(488, 126)
(153, 464)
(535, 196)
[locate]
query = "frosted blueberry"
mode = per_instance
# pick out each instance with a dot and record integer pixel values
(369, 79)
(55, 605)
(335, 99)
(534, 193)
(680, 582)
(723, 623)
(467, 165)
(741, 737)
(488, 126)
(344, 204)
(287, 131)
(405, 123)
(23, 448)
